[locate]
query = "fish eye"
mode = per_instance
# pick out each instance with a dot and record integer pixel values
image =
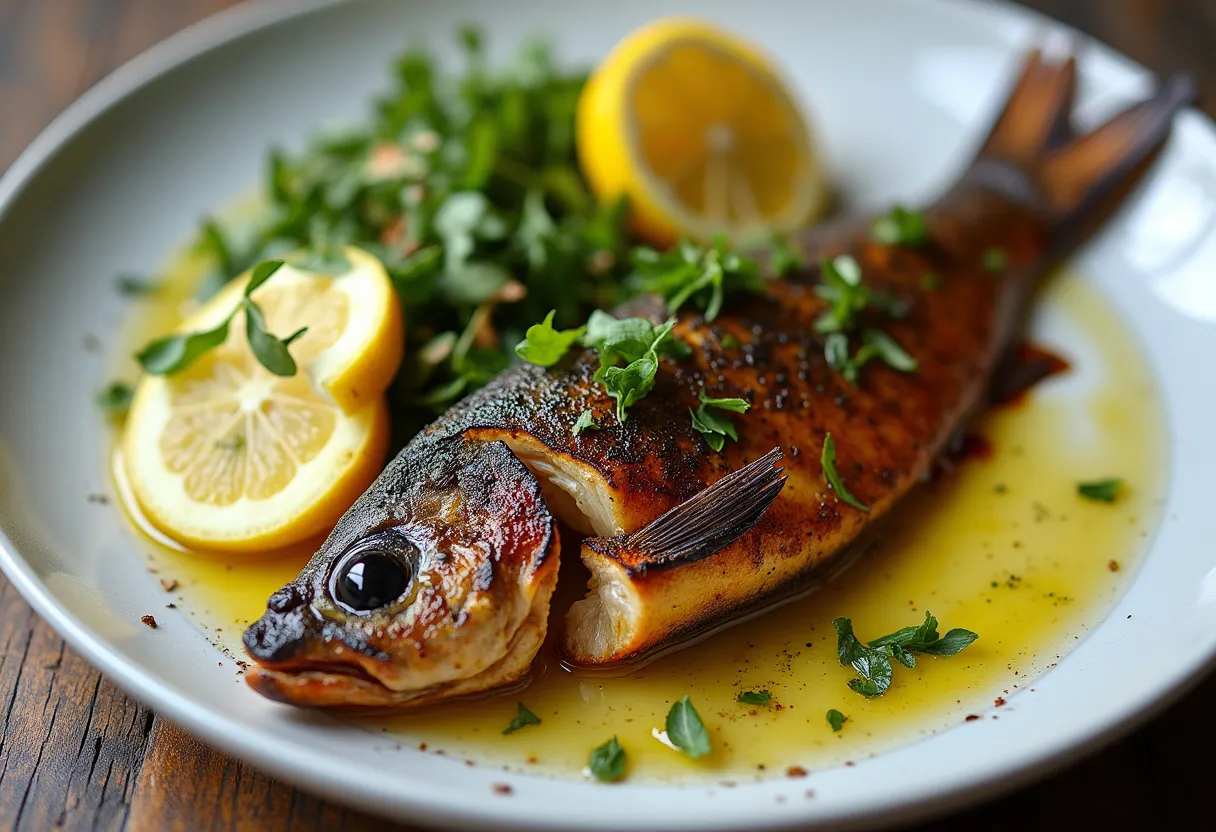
(374, 573)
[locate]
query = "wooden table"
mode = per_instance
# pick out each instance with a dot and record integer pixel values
(76, 752)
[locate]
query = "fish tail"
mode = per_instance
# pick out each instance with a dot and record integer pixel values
(1034, 156)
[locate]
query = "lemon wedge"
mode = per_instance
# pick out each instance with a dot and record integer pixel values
(226, 456)
(693, 125)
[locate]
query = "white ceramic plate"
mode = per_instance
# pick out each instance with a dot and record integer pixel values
(897, 88)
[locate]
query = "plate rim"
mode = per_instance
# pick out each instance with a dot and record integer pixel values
(236, 22)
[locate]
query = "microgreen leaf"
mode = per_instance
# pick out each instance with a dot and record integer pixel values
(889, 351)
(261, 273)
(545, 346)
(586, 421)
(954, 641)
(114, 398)
(134, 286)
(785, 258)
(1103, 491)
(713, 426)
(836, 719)
(995, 259)
(174, 353)
(607, 762)
(689, 272)
(270, 352)
(523, 717)
(901, 226)
(754, 697)
(873, 665)
(685, 729)
(827, 461)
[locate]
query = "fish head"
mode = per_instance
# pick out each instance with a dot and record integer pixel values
(435, 584)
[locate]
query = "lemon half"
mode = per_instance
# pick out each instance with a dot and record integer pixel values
(694, 126)
(227, 456)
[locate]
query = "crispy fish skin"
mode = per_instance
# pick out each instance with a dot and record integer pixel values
(485, 481)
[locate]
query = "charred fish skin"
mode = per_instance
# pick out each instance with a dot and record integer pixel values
(1031, 194)
(479, 551)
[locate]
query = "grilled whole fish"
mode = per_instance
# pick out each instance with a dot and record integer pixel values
(437, 582)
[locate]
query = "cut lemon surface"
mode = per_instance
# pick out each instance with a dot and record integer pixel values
(227, 456)
(694, 127)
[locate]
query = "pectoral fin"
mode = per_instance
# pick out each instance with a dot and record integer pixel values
(637, 597)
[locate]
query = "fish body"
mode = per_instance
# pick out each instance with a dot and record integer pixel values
(468, 509)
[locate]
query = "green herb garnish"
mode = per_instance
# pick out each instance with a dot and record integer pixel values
(717, 427)
(874, 666)
(755, 697)
(636, 342)
(133, 285)
(827, 461)
(785, 259)
(689, 272)
(685, 729)
(1103, 491)
(586, 421)
(930, 281)
(114, 398)
(174, 353)
(523, 717)
(836, 719)
(995, 259)
(872, 660)
(544, 346)
(901, 226)
(843, 289)
(607, 762)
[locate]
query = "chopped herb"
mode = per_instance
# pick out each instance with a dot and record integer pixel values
(635, 341)
(689, 272)
(841, 287)
(545, 346)
(607, 762)
(755, 697)
(134, 286)
(930, 281)
(785, 259)
(995, 259)
(872, 660)
(114, 398)
(730, 342)
(685, 729)
(827, 461)
(586, 421)
(885, 347)
(873, 665)
(901, 226)
(716, 427)
(1103, 491)
(523, 717)
(836, 719)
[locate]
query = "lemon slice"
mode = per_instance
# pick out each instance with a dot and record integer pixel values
(227, 456)
(693, 125)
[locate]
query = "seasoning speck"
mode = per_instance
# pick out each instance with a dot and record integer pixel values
(1000, 702)
(149, 620)
(503, 788)
(796, 771)
(971, 717)
(100, 499)
(169, 584)
(1113, 566)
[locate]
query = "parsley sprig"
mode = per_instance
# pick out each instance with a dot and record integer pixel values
(710, 421)
(849, 296)
(872, 660)
(704, 275)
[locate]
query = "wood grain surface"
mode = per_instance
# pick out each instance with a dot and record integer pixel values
(76, 753)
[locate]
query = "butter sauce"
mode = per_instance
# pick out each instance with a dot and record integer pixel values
(1003, 545)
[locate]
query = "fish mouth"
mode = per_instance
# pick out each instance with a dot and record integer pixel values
(320, 684)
